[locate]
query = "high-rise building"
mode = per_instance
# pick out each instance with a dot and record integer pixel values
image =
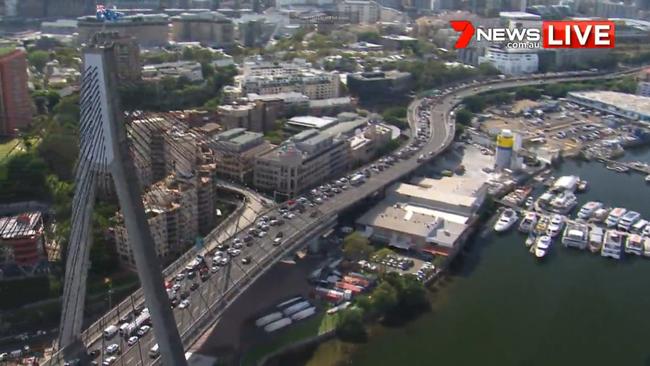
(149, 30)
(15, 101)
(209, 28)
(127, 54)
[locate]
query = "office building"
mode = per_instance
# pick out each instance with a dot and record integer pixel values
(379, 85)
(22, 241)
(305, 160)
(511, 61)
(297, 76)
(208, 28)
(235, 151)
(360, 11)
(253, 116)
(127, 54)
(149, 30)
(15, 100)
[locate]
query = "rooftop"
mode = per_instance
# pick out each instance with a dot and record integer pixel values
(522, 15)
(312, 122)
(630, 102)
(21, 226)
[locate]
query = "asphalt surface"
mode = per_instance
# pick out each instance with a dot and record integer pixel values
(221, 285)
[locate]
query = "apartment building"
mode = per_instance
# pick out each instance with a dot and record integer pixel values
(15, 101)
(235, 151)
(255, 116)
(511, 61)
(21, 241)
(305, 160)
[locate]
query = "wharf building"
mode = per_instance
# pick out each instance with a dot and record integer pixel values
(429, 216)
(629, 106)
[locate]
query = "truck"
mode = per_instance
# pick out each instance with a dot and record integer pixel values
(357, 179)
(143, 319)
(110, 331)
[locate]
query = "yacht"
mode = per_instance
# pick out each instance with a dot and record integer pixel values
(542, 225)
(528, 222)
(600, 215)
(634, 244)
(646, 247)
(530, 240)
(630, 218)
(596, 238)
(639, 226)
(564, 202)
(614, 216)
(507, 218)
(612, 244)
(576, 235)
(555, 225)
(529, 202)
(542, 246)
(588, 209)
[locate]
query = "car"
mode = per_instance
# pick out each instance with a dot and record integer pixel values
(94, 353)
(109, 361)
(75, 362)
(238, 245)
(234, 252)
(179, 277)
(248, 239)
(4, 356)
(184, 304)
(173, 302)
(194, 286)
(143, 330)
(191, 274)
(112, 349)
(133, 340)
(176, 287)
(247, 259)
(261, 234)
(214, 269)
(223, 261)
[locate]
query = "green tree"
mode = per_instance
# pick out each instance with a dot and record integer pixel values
(528, 92)
(24, 178)
(356, 247)
(38, 59)
(464, 117)
(384, 298)
(350, 325)
(474, 103)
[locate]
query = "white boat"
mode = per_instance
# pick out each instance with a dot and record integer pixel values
(564, 202)
(588, 209)
(634, 244)
(542, 246)
(646, 231)
(530, 240)
(600, 215)
(507, 218)
(576, 235)
(614, 216)
(646, 247)
(529, 202)
(639, 226)
(596, 234)
(528, 222)
(647, 178)
(612, 244)
(555, 226)
(630, 218)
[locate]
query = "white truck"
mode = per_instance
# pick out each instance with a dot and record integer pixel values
(142, 319)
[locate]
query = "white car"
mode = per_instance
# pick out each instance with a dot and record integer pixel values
(133, 340)
(234, 252)
(143, 330)
(184, 304)
(214, 269)
(109, 361)
(113, 348)
(261, 234)
(176, 287)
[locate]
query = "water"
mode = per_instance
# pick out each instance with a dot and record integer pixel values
(502, 307)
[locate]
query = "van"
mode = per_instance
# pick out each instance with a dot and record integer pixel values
(110, 332)
(124, 327)
(154, 352)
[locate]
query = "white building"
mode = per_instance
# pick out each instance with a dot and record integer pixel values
(624, 105)
(511, 61)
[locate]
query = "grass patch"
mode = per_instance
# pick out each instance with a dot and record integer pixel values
(318, 324)
(6, 146)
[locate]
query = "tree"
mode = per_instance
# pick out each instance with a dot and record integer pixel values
(528, 92)
(384, 298)
(24, 178)
(464, 117)
(356, 247)
(350, 325)
(474, 103)
(38, 59)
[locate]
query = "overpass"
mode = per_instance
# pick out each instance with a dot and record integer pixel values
(214, 295)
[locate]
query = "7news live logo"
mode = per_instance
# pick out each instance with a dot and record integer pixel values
(554, 34)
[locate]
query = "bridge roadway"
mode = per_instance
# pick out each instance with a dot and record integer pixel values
(214, 295)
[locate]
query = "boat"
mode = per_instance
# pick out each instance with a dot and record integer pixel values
(576, 235)
(507, 218)
(612, 244)
(564, 202)
(555, 225)
(639, 226)
(542, 246)
(630, 218)
(583, 185)
(646, 230)
(614, 216)
(647, 178)
(528, 222)
(600, 215)
(634, 244)
(596, 238)
(588, 209)
(529, 202)
(618, 168)
(542, 225)
(646, 247)
(530, 240)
